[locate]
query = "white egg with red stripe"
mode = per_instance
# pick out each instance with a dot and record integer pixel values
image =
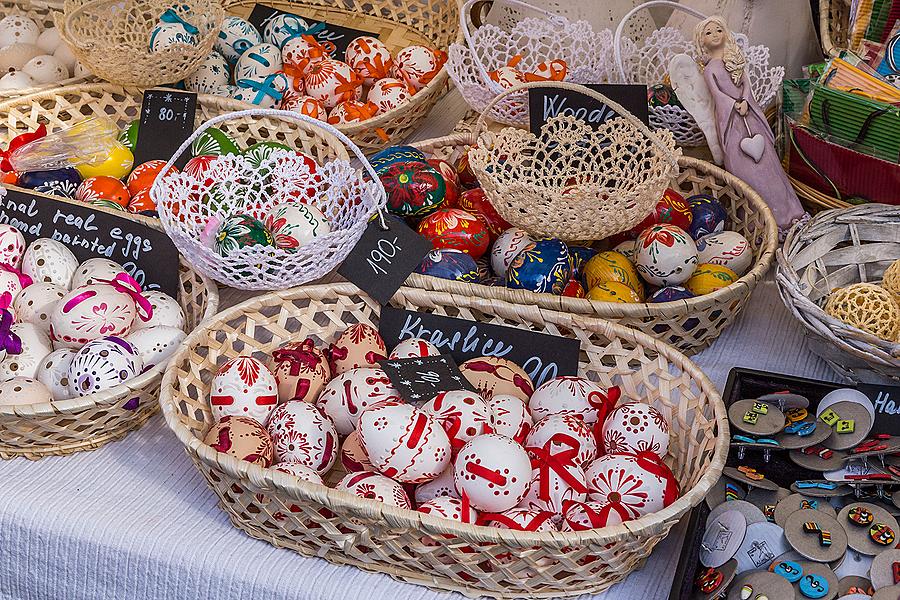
(243, 387)
(387, 94)
(449, 508)
(344, 398)
(442, 485)
(511, 416)
(370, 58)
(635, 485)
(462, 414)
(414, 348)
(493, 471)
(575, 395)
(375, 487)
(558, 433)
(635, 427)
(555, 480)
(523, 519)
(302, 434)
(12, 245)
(418, 65)
(301, 371)
(403, 442)
(353, 455)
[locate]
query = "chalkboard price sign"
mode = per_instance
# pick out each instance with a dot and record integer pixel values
(420, 379)
(544, 103)
(325, 33)
(167, 119)
(146, 254)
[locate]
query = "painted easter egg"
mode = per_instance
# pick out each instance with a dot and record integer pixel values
(575, 395)
(18, 29)
(666, 255)
(117, 164)
(507, 77)
(444, 485)
(302, 434)
(12, 246)
(301, 52)
(462, 414)
(155, 345)
(170, 35)
(244, 387)
(301, 371)
(673, 209)
(387, 94)
(523, 519)
(370, 58)
(240, 231)
(258, 62)
(414, 188)
(728, 249)
(418, 65)
(352, 111)
(167, 312)
(578, 258)
(613, 291)
(563, 433)
(573, 289)
(212, 142)
(103, 187)
(548, 70)
(446, 507)
(635, 427)
(662, 95)
(212, 74)
(396, 154)
(299, 470)
(243, 438)
(54, 373)
(454, 265)
(56, 182)
(542, 267)
(626, 248)
(265, 91)
(582, 516)
(492, 376)
(49, 261)
(282, 27)
(455, 229)
(103, 364)
(612, 266)
(374, 486)
(293, 224)
(145, 174)
(332, 82)
(413, 348)
(20, 391)
(304, 105)
(236, 37)
(507, 247)
(451, 181)
(128, 136)
(11, 284)
(346, 396)
(35, 347)
(353, 455)
(640, 484)
(707, 215)
(142, 203)
(476, 202)
(511, 416)
(35, 303)
(360, 345)
(709, 278)
(90, 312)
(555, 481)
(670, 294)
(493, 471)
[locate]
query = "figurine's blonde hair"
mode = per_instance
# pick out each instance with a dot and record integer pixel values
(734, 58)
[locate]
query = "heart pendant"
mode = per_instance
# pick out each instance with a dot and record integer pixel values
(754, 147)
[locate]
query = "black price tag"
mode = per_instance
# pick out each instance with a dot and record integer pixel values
(886, 399)
(542, 356)
(324, 32)
(145, 253)
(420, 379)
(167, 119)
(384, 258)
(544, 103)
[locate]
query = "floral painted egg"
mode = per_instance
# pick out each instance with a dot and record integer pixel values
(573, 289)
(303, 51)
(670, 294)
(613, 291)
(627, 248)
(166, 311)
(49, 261)
(575, 395)
(662, 95)
(299, 470)
(728, 249)
(455, 229)
(454, 265)
(169, 35)
(375, 487)
(566, 433)
(396, 154)
(94, 311)
(414, 348)
(493, 471)
(673, 209)
(266, 91)
(707, 215)
(236, 37)
(476, 202)
(709, 278)
(12, 246)
(54, 373)
(370, 58)
(353, 456)
(635, 427)
(444, 485)
(352, 111)
(549, 70)
(294, 224)
(302, 434)
(35, 347)
(96, 270)
(511, 416)
(332, 82)
(56, 182)
(155, 345)
(446, 507)
(414, 188)
(507, 247)
(258, 62)
(280, 28)
(666, 255)
(240, 231)
(35, 304)
(404, 442)
(612, 266)
(507, 77)
(347, 395)
(582, 516)
(103, 364)
(211, 142)
(640, 484)
(301, 371)
(103, 188)
(212, 74)
(243, 438)
(245, 387)
(497, 376)
(20, 391)
(451, 181)
(542, 267)
(462, 414)
(387, 94)
(145, 174)
(418, 65)
(360, 345)
(555, 480)
(304, 105)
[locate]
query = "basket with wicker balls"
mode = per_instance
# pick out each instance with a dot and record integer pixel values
(568, 456)
(870, 307)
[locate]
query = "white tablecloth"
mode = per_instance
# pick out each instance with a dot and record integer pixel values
(135, 520)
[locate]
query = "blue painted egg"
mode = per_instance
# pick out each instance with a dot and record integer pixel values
(670, 294)
(449, 264)
(258, 62)
(236, 37)
(708, 215)
(541, 267)
(56, 182)
(265, 92)
(578, 255)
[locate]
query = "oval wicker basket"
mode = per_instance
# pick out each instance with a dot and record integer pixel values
(57, 428)
(689, 325)
(835, 249)
(319, 521)
(112, 38)
(398, 23)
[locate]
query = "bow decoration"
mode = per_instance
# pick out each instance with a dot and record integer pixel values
(170, 16)
(126, 284)
(543, 459)
(9, 341)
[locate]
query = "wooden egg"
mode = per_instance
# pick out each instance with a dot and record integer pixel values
(56, 182)
(454, 265)
(673, 209)
(455, 229)
(709, 278)
(507, 247)
(243, 438)
(497, 376)
(542, 267)
(728, 249)
(145, 174)
(476, 202)
(300, 433)
(612, 266)
(360, 345)
(666, 255)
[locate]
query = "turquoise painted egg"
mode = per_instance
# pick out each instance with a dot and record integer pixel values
(236, 37)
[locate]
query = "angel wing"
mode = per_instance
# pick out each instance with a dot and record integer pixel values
(689, 86)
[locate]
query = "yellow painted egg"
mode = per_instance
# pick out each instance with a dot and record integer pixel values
(709, 278)
(612, 266)
(118, 164)
(613, 291)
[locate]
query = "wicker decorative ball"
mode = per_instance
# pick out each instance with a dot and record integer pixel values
(892, 280)
(868, 307)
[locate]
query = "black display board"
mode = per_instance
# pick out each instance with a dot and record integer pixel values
(327, 32)
(420, 379)
(167, 120)
(544, 103)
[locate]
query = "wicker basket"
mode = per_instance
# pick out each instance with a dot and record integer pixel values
(112, 38)
(834, 25)
(689, 325)
(319, 521)
(835, 249)
(67, 426)
(398, 24)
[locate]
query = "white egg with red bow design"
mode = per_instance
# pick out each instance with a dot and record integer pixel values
(301, 371)
(462, 414)
(563, 433)
(633, 485)
(573, 395)
(244, 387)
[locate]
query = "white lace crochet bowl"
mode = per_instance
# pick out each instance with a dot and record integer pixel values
(536, 40)
(191, 205)
(648, 63)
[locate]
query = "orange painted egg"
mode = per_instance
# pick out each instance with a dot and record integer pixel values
(370, 58)
(418, 65)
(332, 82)
(455, 229)
(141, 202)
(352, 111)
(103, 187)
(145, 174)
(388, 94)
(304, 105)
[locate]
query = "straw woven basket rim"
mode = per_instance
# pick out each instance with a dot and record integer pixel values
(115, 394)
(300, 490)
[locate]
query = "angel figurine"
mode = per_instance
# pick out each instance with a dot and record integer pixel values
(722, 103)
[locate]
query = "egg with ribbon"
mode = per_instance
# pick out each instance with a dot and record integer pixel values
(493, 472)
(418, 65)
(352, 111)
(56, 182)
(374, 486)
(155, 345)
(236, 36)
(388, 94)
(54, 373)
(511, 416)
(353, 456)
(564, 432)
(49, 261)
(305, 105)
(93, 311)
(301, 370)
(102, 365)
(666, 255)
(244, 387)
(242, 438)
(454, 265)
(302, 434)
(727, 249)
(582, 516)
(96, 270)
(507, 77)
(574, 395)
(555, 480)
(35, 304)
(707, 215)
(302, 51)
(455, 229)
(462, 414)
(491, 376)
(413, 348)
(282, 27)
(507, 247)
(12, 282)
(636, 484)
(542, 267)
(369, 57)
(24, 346)
(258, 62)
(635, 427)
(265, 91)
(347, 395)
(332, 82)
(169, 35)
(360, 345)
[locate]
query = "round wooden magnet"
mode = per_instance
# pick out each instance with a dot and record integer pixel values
(816, 492)
(786, 400)
(792, 441)
(809, 544)
(766, 425)
(795, 502)
(859, 537)
(752, 514)
(716, 494)
(760, 497)
(770, 585)
(729, 572)
(814, 462)
(862, 425)
(762, 543)
(722, 538)
(822, 572)
(882, 570)
(846, 395)
(853, 582)
(888, 593)
(747, 481)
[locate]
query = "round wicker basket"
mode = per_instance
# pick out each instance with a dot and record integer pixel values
(56, 428)
(835, 249)
(315, 520)
(689, 325)
(398, 24)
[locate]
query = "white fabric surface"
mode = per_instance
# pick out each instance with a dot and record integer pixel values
(135, 519)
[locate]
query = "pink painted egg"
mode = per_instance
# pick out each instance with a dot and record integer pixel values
(462, 414)
(491, 375)
(12, 246)
(493, 471)
(635, 427)
(511, 416)
(507, 247)
(244, 387)
(449, 508)
(49, 261)
(370, 58)
(302, 434)
(243, 438)
(388, 94)
(346, 396)
(299, 470)
(353, 456)
(102, 365)
(414, 348)
(523, 519)
(305, 105)
(359, 346)
(575, 395)
(582, 516)
(302, 51)
(665, 255)
(403, 442)
(375, 487)
(91, 312)
(332, 82)
(641, 484)
(507, 77)
(555, 480)
(301, 371)
(418, 65)
(566, 433)
(442, 485)
(352, 111)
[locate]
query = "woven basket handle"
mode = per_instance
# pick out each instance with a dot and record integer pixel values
(467, 34)
(622, 112)
(617, 38)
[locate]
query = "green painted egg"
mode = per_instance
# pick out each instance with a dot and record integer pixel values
(128, 136)
(214, 142)
(260, 151)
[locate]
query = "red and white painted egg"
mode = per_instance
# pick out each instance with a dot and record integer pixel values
(374, 486)
(12, 245)
(511, 416)
(549, 70)
(299, 470)
(507, 77)
(524, 519)
(359, 346)
(442, 485)
(641, 484)
(49, 261)
(303, 434)
(727, 249)
(243, 438)
(462, 414)
(635, 427)
(370, 58)
(555, 480)
(414, 348)
(304, 105)
(353, 455)
(576, 395)
(493, 471)
(491, 375)
(404, 442)
(449, 508)
(418, 65)
(507, 247)
(565, 433)
(301, 371)
(91, 312)
(332, 82)
(387, 94)
(582, 516)
(352, 111)
(243, 386)
(11, 284)
(346, 396)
